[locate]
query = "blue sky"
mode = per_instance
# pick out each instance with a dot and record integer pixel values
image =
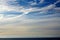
(27, 17)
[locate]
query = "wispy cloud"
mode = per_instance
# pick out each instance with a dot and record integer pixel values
(24, 23)
(24, 11)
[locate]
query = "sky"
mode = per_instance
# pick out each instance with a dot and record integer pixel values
(29, 18)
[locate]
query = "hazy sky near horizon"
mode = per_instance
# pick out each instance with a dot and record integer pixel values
(29, 18)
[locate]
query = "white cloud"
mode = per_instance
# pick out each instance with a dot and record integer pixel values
(19, 24)
(57, 1)
(41, 1)
(4, 7)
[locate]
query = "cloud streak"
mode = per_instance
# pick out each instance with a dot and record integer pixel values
(32, 20)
